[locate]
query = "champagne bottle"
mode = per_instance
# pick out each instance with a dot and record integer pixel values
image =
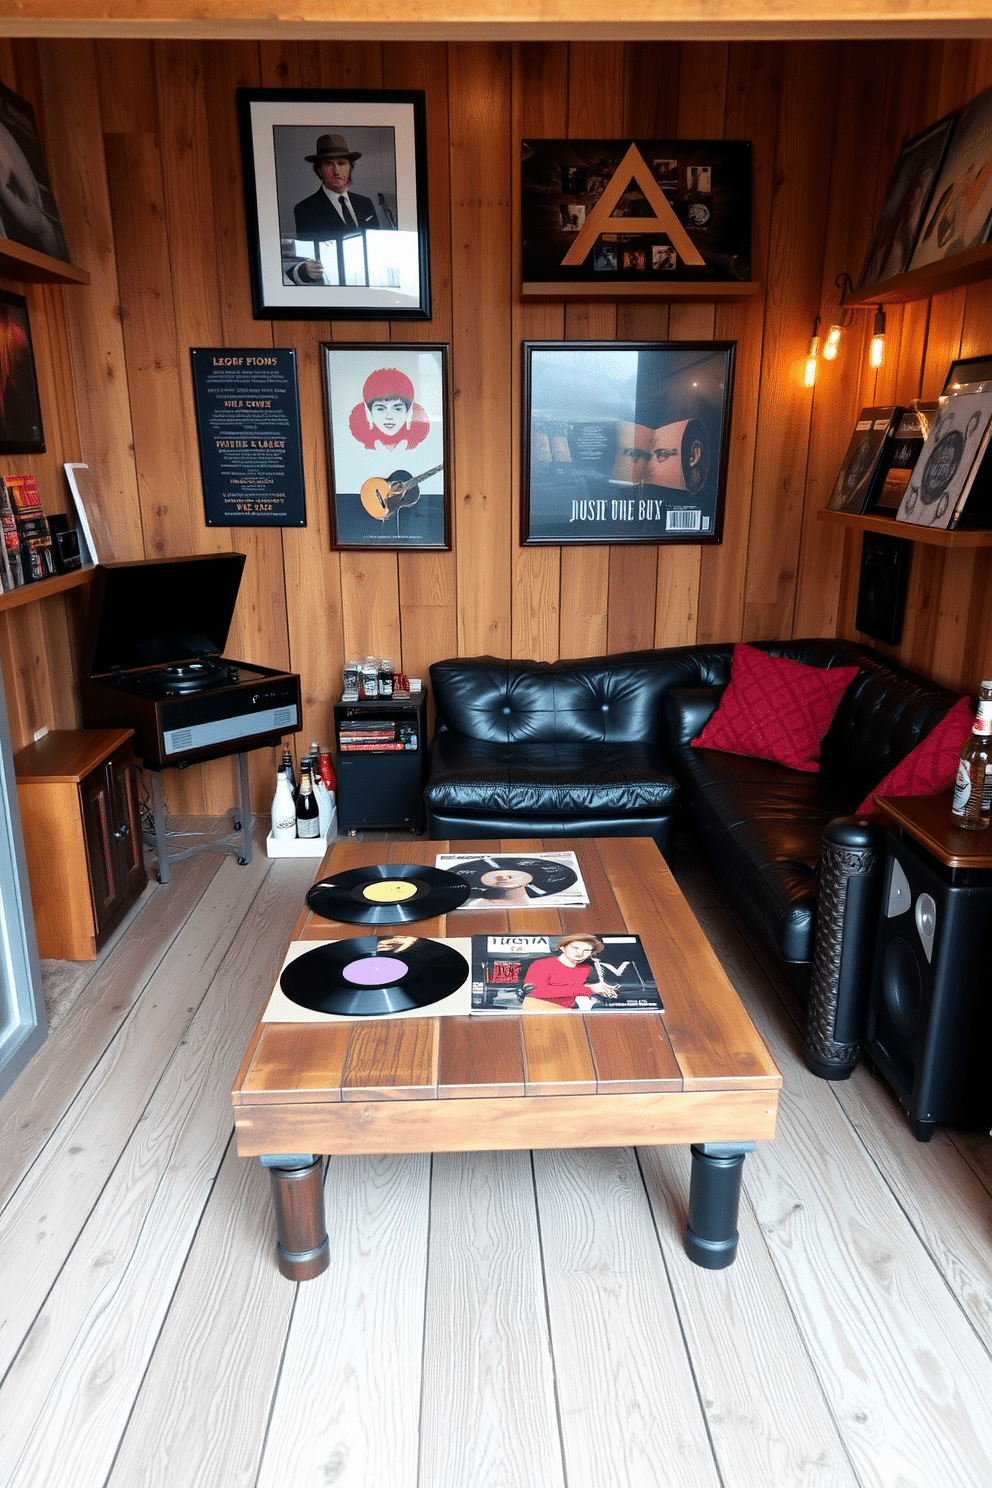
(283, 808)
(972, 804)
(287, 769)
(307, 811)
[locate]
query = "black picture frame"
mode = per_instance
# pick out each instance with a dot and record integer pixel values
(251, 445)
(379, 269)
(21, 430)
(625, 442)
(388, 426)
(637, 217)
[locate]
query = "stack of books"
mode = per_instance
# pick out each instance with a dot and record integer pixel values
(26, 554)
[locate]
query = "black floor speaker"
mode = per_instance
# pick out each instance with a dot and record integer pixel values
(882, 586)
(929, 1027)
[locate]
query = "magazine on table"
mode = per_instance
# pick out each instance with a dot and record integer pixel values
(515, 880)
(584, 972)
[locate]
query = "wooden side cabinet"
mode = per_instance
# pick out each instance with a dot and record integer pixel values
(78, 794)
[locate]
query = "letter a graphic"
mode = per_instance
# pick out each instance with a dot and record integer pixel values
(632, 167)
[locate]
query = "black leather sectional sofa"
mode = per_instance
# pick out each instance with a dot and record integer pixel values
(602, 746)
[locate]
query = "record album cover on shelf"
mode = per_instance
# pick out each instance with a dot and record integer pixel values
(961, 204)
(583, 972)
(906, 201)
(497, 880)
(868, 448)
(898, 463)
(950, 458)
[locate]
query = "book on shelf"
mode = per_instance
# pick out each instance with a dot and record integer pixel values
(582, 971)
(12, 573)
(24, 496)
(951, 457)
(868, 448)
(899, 461)
(35, 541)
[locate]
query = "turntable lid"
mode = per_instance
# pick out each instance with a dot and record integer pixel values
(161, 611)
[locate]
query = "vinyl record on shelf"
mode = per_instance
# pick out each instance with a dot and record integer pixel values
(370, 978)
(387, 894)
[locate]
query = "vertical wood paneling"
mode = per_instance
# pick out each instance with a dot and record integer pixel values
(148, 178)
(836, 398)
(540, 93)
(479, 113)
(792, 301)
(755, 71)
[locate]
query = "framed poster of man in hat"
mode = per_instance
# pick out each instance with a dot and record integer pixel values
(336, 203)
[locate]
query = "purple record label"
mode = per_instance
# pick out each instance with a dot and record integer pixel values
(374, 971)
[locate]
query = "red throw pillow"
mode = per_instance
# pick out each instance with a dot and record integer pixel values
(933, 765)
(775, 708)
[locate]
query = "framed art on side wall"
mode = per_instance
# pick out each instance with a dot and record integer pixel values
(336, 203)
(626, 442)
(21, 432)
(388, 443)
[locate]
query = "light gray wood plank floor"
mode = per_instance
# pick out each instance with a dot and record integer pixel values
(490, 1320)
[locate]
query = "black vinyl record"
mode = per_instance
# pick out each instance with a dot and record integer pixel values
(370, 978)
(387, 894)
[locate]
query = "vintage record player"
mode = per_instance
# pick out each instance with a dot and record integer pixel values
(153, 662)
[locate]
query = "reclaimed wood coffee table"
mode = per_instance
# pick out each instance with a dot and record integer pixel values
(697, 1073)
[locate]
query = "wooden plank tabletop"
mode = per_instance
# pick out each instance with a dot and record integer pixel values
(501, 1079)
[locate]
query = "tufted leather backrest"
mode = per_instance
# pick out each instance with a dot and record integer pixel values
(602, 699)
(605, 699)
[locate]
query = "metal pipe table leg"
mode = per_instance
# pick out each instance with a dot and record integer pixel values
(714, 1200)
(243, 824)
(303, 1250)
(158, 817)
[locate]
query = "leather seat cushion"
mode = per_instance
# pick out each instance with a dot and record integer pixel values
(478, 776)
(764, 826)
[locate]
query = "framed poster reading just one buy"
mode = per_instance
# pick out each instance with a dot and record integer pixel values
(626, 442)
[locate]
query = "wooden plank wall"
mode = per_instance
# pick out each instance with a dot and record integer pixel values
(143, 150)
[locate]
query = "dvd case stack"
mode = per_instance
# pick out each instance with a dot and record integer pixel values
(33, 539)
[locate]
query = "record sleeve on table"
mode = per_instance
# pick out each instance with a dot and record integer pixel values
(950, 459)
(582, 971)
(518, 880)
(391, 976)
(863, 459)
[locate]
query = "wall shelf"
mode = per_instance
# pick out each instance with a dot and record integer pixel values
(24, 594)
(27, 265)
(702, 291)
(934, 537)
(969, 267)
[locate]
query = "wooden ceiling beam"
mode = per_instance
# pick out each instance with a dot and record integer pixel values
(398, 20)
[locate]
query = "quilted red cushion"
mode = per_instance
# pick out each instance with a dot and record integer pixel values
(775, 708)
(933, 764)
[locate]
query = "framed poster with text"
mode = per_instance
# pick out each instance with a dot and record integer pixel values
(626, 442)
(251, 450)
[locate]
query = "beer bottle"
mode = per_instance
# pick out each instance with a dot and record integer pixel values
(972, 804)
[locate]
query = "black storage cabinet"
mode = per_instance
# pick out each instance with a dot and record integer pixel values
(382, 762)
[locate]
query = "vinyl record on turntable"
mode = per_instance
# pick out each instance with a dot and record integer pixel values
(387, 894)
(371, 978)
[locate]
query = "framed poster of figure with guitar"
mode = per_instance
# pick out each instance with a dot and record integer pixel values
(388, 444)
